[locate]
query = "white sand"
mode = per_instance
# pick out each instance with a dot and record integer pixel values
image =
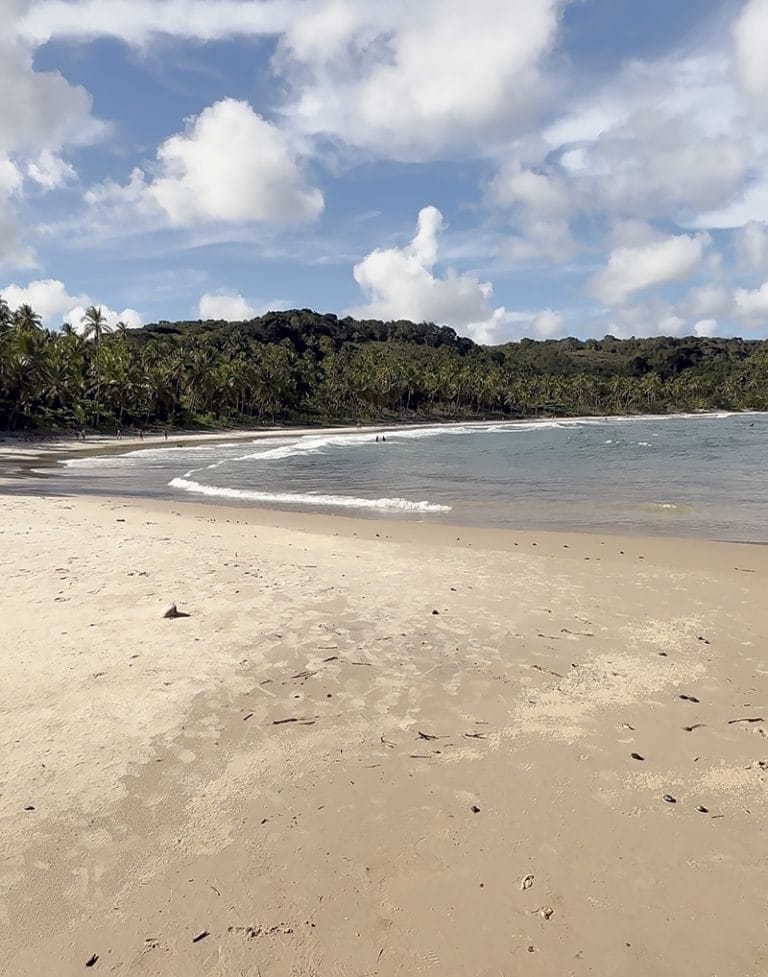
(170, 800)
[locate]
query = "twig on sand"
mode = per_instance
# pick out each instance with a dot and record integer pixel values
(732, 722)
(690, 729)
(301, 722)
(387, 743)
(547, 670)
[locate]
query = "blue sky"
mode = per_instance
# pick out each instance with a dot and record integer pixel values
(508, 167)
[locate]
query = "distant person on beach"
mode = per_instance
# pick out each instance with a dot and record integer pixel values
(377, 439)
(383, 437)
(141, 434)
(165, 434)
(119, 435)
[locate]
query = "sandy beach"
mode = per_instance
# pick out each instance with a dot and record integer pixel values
(376, 748)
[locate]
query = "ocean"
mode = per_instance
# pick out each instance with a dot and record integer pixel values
(698, 475)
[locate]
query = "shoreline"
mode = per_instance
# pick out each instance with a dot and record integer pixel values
(619, 549)
(18, 456)
(19, 460)
(363, 739)
(23, 464)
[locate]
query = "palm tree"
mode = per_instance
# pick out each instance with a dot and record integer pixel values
(95, 327)
(6, 316)
(25, 319)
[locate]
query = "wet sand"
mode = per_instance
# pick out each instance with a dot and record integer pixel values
(376, 748)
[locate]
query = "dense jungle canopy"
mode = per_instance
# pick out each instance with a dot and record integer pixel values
(303, 367)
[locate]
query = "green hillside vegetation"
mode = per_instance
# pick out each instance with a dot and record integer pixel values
(303, 367)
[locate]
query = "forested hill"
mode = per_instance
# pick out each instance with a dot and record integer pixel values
(300, 366)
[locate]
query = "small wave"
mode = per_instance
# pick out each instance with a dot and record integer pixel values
(305, 446)
(308, 499)
(127, 458)
(310, 445)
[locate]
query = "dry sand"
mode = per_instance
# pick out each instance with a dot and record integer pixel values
(316, 775)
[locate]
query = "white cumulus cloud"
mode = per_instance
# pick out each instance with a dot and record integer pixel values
(51, 300)
(649, 319)
(399, 77)
(751, 242)
(751, 304)
(50, 171)
(401, 283)
(41, 114)
(750, 34)
(408, 79)
(672, 139)
(229, 166)
(705, 327)
(230, 306)
(631, 270)
(548, 324)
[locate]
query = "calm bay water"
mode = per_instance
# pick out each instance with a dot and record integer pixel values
(702, 475)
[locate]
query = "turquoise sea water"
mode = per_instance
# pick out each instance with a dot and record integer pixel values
(703, 475)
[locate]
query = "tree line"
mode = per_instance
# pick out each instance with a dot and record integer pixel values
(303, 367)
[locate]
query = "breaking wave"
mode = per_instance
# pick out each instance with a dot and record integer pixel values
(306, 499)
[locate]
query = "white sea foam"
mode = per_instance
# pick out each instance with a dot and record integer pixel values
(124, 459)
(306, 499)
(310, 445)
(290, 446)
